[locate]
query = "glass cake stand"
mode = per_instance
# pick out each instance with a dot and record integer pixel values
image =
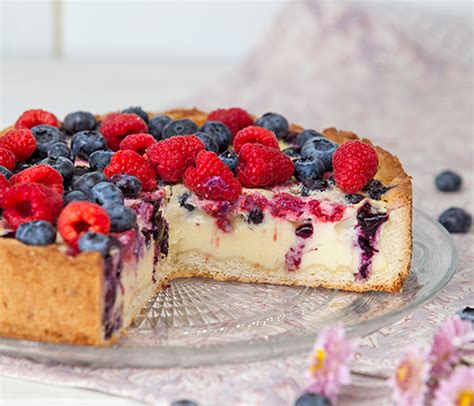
(203, 322)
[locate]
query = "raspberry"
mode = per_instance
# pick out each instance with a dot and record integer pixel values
(234, 118)
(212, 179)
(133, 164)
(355, 164)
(43, 174)
(326, 212)
(32, 118)
(286, 205)
(21, 142)
(117, 128)
(261, 166)
(109, 117)
(255, 135)
(7, 158)
(27, 202)
(174, 155)
(137, 142)
(78, 218)
(4, 183)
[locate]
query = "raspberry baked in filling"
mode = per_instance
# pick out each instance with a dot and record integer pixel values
(101, 212)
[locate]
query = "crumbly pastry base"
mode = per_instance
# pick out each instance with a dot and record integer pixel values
(46, 295)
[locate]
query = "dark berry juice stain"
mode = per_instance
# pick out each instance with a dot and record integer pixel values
(255, 215)
(183, 202)
(375, 189)
(113, 269)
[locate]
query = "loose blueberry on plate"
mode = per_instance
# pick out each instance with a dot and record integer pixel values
(92, 242)
(219, 132)
(308, 168)
(46, 136)
(63, 165)
(231, 159)
(208, 141)
(138, 111)
(292, 152)
(84, 143)
(456, 220)
(274, 122)
(87, 181)
(312, 399)
(179, 127)
(129, 185)
(98, 160)
(75, 196)
(448, 181)
(156, 125)
(79, 121)
(255, 215)
(61, 149)
(121, 218)
(319, 148)
(106, 193)
(305, 135)
(184, 402)
(5, 172)
(37, 232)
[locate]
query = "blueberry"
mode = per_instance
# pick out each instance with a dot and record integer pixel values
(106, 193)
(255, 215)
(467, 314)
(448, 181)
(46, 136)
(92, 241)
(304, 230)
(81, 170)
(79, 121)
(209, 143)
(354, 198)
(184, 402)
(321, 148)
(5, 172)
(312, 185)
(179, 127)
(37, 232)
(87, 181)
(76, 196)
(63, 165)
(121, 218)
(61, 149)
(138, 111)
(84, 143)
(156, 125)
(312, 399)
(98, 160)
(274, 122)
(375, 189)
(183, 202)
(456, 220)
(219, 132)
(231, 159)
(308, 168)
(305, 135)
(129, 185)
(292, 152)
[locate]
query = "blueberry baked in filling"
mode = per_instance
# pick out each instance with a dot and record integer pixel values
(100, 212)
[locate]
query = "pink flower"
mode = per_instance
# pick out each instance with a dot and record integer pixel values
(457, 390)
(329, 367)
(410, 378)
(445, 351)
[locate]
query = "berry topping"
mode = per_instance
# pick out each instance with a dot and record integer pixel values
(292, 152)
(326, 213)
(79, 121)
(354, 198)
(30, 201)
(255, 135)
(375, 189)
(183, 202)
(255, 216)
(231, 159)
(456, 220)
(21, 142)
(84, 143)
(63, 165)
(312, 399)
(212, 179)
(95, 242)
(208, 141)
(261, 166)
(137, 142)
(4, 183)
(98, 160)
(313, 185)
(46, 136)
(75, 196)
(319, 148)
(307, 169)
(286, 205)
(36, 232)
(305, 135)
(128, 184)
(171, 157)
(60, 149)
(5, 172)
(121, 218)
(119, 126)
(87, 181)
(219, 133)
(446, 181)
(138, 111)
(234, 118)
(355, 164)
(32, 118)
(42, 174)
(275, 123)
(156, 125)
(133, 164)
(184, 126)
(78, 218)
(7, 159)
(106, 193)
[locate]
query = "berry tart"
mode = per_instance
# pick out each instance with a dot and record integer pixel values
(98, 213)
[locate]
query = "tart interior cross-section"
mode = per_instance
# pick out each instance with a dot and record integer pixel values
(98, 213)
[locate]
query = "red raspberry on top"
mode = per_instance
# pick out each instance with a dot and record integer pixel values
(30, 201)
(7, 158)
(261, 166)
(255, 135)
(117, 128)
(32, 118)
(4, 183)
(137, 142)
(21, 142)
(355, 164)
(212, 179)
(109, 117)
(43, 174)
(78, 218)
(234, 118)
(131, 163)
(171, 157)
